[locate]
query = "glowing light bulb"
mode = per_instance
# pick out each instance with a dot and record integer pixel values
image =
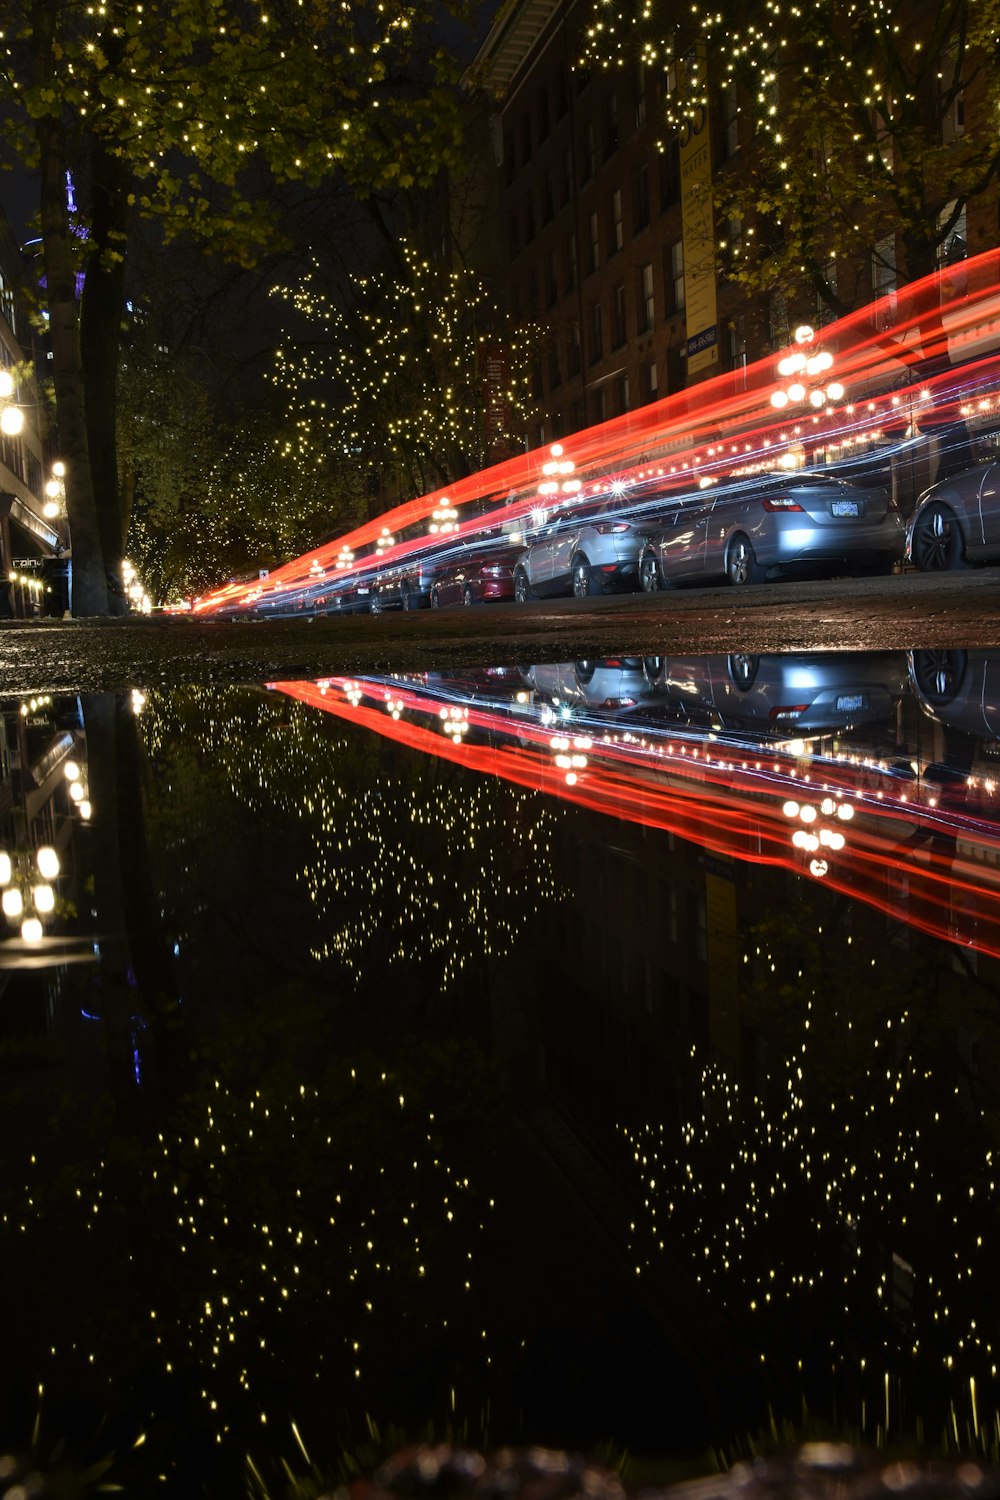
(48, 862)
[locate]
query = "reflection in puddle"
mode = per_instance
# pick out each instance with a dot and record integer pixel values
(582, 1051)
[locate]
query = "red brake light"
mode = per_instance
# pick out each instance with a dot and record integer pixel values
(780, 502)
(606, 527)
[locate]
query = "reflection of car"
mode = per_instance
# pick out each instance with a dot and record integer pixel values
(807, 522)
(960, 688)
(475, 579)
(617, 682)
(957, 521)
(788, 692)
(581, 552)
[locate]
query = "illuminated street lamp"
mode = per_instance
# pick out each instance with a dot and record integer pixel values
(55, 492)
(11, 415)
(804, 371)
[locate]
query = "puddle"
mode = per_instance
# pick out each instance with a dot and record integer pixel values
(596, 1053)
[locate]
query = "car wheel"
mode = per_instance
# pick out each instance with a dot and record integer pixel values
(938, 675)
(937, 544)
(375, 604)
(652, 670)
(743, 671)
(435, 599)
(584, 582)
(467, 598)
(649, 573)
(741, 564)
(522, 592)
(585, 672)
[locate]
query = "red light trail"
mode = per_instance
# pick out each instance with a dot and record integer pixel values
(914, 360)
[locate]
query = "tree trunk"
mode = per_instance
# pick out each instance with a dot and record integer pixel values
(102, 304)
(89, 594)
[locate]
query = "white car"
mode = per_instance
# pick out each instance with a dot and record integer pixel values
(592, 550)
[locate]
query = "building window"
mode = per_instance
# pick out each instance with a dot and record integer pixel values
(884, 265)
(555, 368)
(567, 182)
(730, 116)
(529, 222)
(611, 130)
(589, 151)
(575, 350)
(547, 203)
(572, 269)
(641, 205)
(594, 250)
(596, 333)
(525, 139)
(639, 94)
(736, 330)
(616, 237)
(677, 276)
(647, 308)
(954, 244)
(510, 159)
(618, 316)
(562, 91)
(652, 381)
(513, 239)
(670, 175)
(543, 114)
(600, 405)
(623, 395)
(551, 283)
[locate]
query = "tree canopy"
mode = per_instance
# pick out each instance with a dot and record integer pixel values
(183, 111)
(871, 126)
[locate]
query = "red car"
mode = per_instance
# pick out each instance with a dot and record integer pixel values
(477, 579)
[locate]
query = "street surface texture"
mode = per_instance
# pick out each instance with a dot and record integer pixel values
(847, 614)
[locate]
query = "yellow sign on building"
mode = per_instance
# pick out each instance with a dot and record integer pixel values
(697, 223)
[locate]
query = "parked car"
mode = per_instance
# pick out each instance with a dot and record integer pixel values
(480, 577)
(756, 528)
(581, 552)
(957, 521)
(403, 585)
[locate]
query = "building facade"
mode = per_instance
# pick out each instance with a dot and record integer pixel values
(30, 542)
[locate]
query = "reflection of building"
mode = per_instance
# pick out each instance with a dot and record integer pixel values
(26, 539)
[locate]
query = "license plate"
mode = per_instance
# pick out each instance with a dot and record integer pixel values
(362, 591)
(845, 508)
(848, 705)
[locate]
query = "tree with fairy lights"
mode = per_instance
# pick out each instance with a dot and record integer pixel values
(865, 131)
(390, 368)
(187, 114)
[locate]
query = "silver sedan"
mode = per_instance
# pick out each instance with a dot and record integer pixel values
(756, 528)
(957, 521)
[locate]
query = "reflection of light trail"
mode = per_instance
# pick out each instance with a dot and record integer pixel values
(914, 340)
(900, 855)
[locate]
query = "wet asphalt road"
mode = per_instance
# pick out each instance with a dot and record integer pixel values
(909, 610)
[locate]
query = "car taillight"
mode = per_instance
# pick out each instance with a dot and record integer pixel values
(780, 502)
(607, 527)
